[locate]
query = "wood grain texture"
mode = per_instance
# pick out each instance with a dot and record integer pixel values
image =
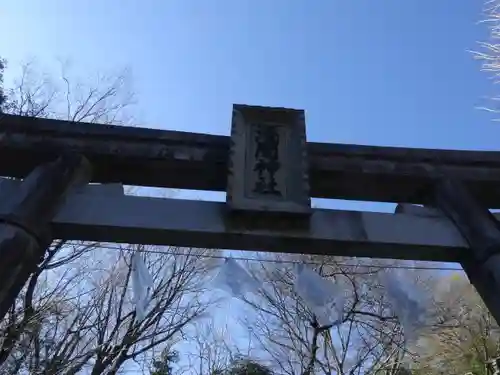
(148, 157)
(98, 213)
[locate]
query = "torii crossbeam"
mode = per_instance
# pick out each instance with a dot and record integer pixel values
(269, 173)
(148, 157)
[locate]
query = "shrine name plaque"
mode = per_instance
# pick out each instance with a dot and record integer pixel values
(268, 166)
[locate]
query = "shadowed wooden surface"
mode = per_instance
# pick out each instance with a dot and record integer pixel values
(147, 157)
(104, 213)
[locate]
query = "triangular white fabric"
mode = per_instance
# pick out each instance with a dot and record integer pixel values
(406, 300)
(142, 286)
(234, 279)
(325, 299)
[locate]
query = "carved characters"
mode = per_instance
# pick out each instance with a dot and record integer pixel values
(268, 169)
(267, 162)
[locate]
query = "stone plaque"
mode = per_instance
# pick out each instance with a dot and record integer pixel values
(268, 167)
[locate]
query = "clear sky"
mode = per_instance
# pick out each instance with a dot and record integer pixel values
(387, 72)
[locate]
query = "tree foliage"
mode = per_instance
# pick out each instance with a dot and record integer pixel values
(164, 365)
(246, 366)
(468, 337)
(3, 97)
(106, 98)
(289, 333)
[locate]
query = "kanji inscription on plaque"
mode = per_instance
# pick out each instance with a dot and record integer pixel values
(268, 168)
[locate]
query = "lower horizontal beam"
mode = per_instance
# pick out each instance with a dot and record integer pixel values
(98, 213)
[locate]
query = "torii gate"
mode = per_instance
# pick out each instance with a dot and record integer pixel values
(269, 173)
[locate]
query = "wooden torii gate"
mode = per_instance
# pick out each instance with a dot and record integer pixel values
(269, 173)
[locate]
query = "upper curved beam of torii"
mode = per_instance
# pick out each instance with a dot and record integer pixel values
(148, 157)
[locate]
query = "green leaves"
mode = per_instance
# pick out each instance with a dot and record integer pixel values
(163, 366)
(246, 366)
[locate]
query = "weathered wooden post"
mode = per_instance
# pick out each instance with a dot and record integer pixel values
(25, 232)
(268, 166)
(482, 231)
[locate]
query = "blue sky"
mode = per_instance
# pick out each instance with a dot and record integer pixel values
(372, 72)
(387, 72)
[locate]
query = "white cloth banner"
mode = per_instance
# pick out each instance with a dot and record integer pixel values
(407, 301)
(235, 280)
(142, 286)
(324, 298)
